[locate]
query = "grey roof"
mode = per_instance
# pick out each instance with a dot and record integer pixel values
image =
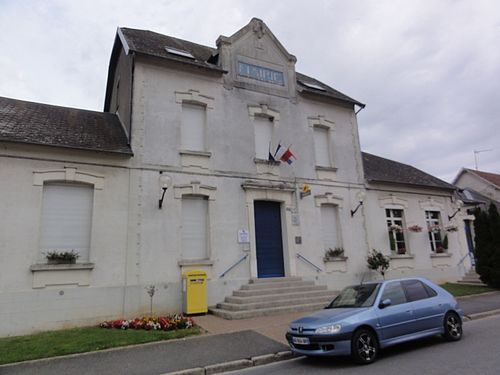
(328, 91)
(153, 44)
(378, 169)
(43, 124)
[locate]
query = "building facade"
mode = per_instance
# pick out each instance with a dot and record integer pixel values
(222, 159)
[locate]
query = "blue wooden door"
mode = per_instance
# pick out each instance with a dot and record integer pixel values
(268, 239)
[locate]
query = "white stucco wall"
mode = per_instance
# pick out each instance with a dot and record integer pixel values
(468, 180)
(135, 244)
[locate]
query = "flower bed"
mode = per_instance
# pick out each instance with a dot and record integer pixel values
(163, 323)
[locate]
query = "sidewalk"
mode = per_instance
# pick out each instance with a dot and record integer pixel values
(229, 344)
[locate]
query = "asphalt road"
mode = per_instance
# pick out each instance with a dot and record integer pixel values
(154, 358)
(477, 353)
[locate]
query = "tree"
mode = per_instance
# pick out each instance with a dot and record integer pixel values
(487, 250)
(378, 262)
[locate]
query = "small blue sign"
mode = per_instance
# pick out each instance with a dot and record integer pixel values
(261, 74)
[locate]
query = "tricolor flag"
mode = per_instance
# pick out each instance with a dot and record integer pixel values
(287, 156)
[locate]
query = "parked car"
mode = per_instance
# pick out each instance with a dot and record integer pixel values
(364, 318)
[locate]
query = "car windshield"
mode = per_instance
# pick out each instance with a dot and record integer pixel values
(356, 296)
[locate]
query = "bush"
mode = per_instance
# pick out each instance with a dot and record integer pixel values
(487, 250)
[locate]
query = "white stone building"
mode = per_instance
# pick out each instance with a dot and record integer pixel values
(193, 126)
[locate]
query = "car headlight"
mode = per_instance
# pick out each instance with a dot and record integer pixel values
(329, 329)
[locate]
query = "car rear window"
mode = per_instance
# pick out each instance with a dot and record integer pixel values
(415, 290)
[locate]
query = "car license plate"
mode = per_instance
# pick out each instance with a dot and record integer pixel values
(300, 340)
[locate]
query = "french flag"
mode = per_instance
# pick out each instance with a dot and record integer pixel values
(287, 156)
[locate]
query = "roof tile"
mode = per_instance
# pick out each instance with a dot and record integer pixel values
(43, 124)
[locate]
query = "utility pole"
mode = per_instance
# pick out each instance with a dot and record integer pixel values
(477, 152)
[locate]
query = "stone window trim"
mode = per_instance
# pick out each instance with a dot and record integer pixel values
(194, 97)
(61, 267)
(328, 199)
(68, 175)
(401, 256)
(321, 122)
(431, 205)
(393, 202)
(195, 188)
(327, 169)
(393, 235)
(204, 154)
(263, 110)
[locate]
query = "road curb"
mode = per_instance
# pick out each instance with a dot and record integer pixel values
(483, 314)
(477, 295)
(236, 365)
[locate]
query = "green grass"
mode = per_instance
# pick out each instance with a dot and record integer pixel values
(460, 290)
(78, 340)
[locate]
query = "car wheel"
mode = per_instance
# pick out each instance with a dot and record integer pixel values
(452, 327)
(364, 346)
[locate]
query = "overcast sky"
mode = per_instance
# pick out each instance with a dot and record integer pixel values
(428, 70)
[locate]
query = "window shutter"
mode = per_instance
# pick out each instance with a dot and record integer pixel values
(330, 227)
(66, 218)
(194, 227)
(193, 127)
(321, 147)
(263, 136)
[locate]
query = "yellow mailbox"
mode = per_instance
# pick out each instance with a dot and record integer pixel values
(194, 288)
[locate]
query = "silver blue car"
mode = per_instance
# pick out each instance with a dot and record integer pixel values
(364, 318)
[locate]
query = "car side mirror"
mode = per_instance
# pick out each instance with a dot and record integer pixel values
(384, 303)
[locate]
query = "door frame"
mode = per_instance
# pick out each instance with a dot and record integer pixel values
(284, 197)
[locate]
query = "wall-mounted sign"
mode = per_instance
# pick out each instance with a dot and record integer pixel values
(261, 74)
(243, 236)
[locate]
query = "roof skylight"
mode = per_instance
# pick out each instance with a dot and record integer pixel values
(179, 52)
(312, 85)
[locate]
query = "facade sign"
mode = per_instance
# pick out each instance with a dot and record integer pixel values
(261, 74)
(243, 236)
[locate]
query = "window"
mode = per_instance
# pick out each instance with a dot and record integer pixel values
(394, 291)
(263, 136)
(193, 127)
(194, 227)
(330, 226)
(415, 290)
(395, 224)
(432, 219)
(66, 218)
(321, 147)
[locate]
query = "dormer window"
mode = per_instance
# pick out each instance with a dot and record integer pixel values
(312, 85)
(179, 52)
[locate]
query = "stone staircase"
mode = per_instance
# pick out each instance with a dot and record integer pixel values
(471, 278)
(270, 296)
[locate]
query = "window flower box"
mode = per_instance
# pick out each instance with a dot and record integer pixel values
(62, 257)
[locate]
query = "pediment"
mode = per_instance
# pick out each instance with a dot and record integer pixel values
(255, 59)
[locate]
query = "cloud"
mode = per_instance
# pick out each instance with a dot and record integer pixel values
(428, 70)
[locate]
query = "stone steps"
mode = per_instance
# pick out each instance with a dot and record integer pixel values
(261, 297)
(268, 291)
(245, 314)
(264, 305)
(282, 296)
(471, 278)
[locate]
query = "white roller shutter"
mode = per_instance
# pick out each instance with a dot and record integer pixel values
(321, 147)
(330, 227)
(194, 227)
(66, 218)
(263, 136)
(193, 127)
